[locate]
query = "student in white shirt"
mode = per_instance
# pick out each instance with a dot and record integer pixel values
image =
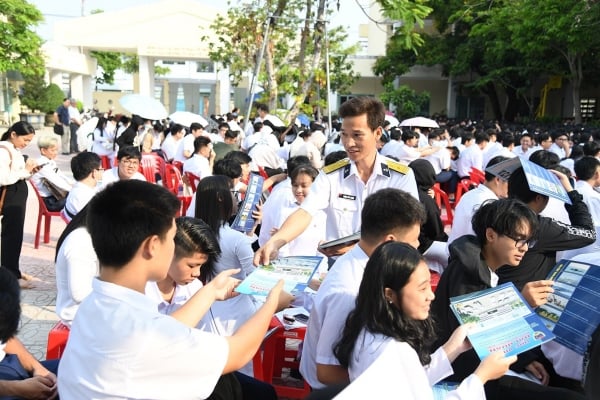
(196, 247)
(388, 214)
(128, 165)
(201, 162)
(48, 145)
(120, 346)
(76, 267)
(170, 144)
(392, 315)
(87, 171)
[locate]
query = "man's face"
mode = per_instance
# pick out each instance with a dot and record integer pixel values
(358, 139)
(546, 143)
(525, 143)
(128, 167)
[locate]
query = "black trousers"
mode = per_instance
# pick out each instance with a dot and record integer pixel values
(13, 220)
(73, 145)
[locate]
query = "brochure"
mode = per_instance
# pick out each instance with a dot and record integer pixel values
(346, 240)
(502, 321)
(294, 270)
(572, 312)
(243, 221)
(540, 180)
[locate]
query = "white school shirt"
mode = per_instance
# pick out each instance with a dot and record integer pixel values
(398, 370)
(592, 199)
(472, 156)
(197, 165)
(185, 144)
(13, 170)
(103, 142)
(51, 172)
(76, 268)
(464, 210)
(121, 347)
(518, 151)
(78, 197)
(334, 300)
(112, 175)
(339, 191)
(169, 147)
(370, 346)
(559, 151)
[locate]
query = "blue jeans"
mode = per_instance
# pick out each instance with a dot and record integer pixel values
(12, 370)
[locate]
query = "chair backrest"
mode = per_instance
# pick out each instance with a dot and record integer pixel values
(192, 180)
(477, 176)
(179, 165)
(152, 165)
(172, 178)
(441, 199)
(43, 208)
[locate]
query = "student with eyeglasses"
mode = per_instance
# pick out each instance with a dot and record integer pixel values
(128, 165)
(505, 231)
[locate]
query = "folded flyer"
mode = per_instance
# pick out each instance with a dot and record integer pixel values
(346, 240)
(244, 221)
(572, 312)
(294, 270)
(502, 321)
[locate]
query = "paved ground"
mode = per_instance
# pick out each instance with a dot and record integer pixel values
(38, 303)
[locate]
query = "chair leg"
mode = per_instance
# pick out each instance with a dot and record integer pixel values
(48, 220)
(36, 242)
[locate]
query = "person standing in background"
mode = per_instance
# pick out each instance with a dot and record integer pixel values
(61, 116)
(74, 124)
(14, 170)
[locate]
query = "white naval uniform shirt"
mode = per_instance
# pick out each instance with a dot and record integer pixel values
(339, 191)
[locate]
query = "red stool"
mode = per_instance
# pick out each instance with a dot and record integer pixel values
(275, 357)
(434, 280)
(57, 341)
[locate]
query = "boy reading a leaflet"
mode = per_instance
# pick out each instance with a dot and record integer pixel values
(120, 346)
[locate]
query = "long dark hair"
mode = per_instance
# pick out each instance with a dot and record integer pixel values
(390, 266)
(21, 128)
(214, 202)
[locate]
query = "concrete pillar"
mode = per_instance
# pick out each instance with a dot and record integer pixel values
(87, 93)
(146, 75)
(223, 92)
(76, 85)
(55, 76)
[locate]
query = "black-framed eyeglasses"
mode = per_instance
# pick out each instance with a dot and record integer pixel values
(522, 242)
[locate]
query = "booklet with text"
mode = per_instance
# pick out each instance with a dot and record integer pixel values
(572, 312)
(294, 270)
(346, 240)
(244, 221)
(502, 321)
(539, 179)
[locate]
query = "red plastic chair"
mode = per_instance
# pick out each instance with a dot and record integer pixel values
(57, 341)
(172, 179)
(179, 165)
(192, 180)
(185, 204)
(464, 185)
(43, 212)
(441, 199)
(477, 176)
(105, 162)
(269, 362)
(152, 165)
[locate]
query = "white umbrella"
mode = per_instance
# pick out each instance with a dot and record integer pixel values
(144, 106)
(393, 120)
(85, 134)
(186, 118)
(420, 122)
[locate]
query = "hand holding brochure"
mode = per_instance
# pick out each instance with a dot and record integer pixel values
(294, 270)
(244, 221)
(572, 312)
(502, 321)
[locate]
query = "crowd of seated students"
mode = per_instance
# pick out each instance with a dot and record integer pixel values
(353, 320)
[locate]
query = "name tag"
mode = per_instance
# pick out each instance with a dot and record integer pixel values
(346, 196)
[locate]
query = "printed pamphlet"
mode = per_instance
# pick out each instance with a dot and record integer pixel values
(502, 321)
(243, 221)
(294, 270)
(572, 312)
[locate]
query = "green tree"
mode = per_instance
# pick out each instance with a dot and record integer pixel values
(406, 101)
(294, 52)
(19, 44)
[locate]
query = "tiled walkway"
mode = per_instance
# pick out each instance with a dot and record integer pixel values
(38, 303)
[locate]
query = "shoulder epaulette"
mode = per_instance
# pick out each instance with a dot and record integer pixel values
(336, 165)
(398, 167)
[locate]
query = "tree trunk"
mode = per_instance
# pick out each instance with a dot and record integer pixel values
(577, 77)
(309, 76)
(271, 85)
(512, 107)
(490, 91)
